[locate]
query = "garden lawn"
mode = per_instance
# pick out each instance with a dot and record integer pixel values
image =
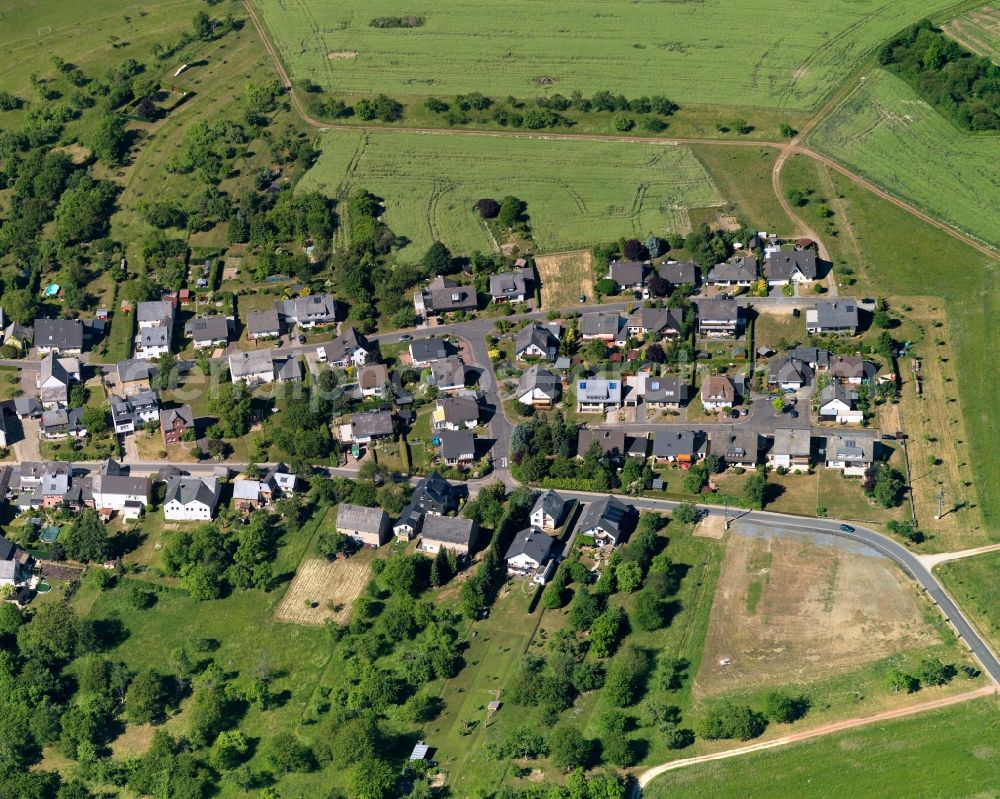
(577, 192)
(944, 753)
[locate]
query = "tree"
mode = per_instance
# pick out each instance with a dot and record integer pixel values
(86, 539)
(524, 743)
(229, 750)
(146, 698)
(686, 513)
(654, 247)
(203, 27)
(647, 612)
(622, 123)
(729, 720)
(164, 375)
(20, 305)
(554, 595)
(618, 751)
(606, 632)
(934, 672)
(512, 212)
(568, 748)
(628, 575)
(756, 489)
(695, 480)
(442, 567)
(583, 610)
(206, 717)
(898, 680)
(286, 754)
(782, 708)
(373, 779)
(108, 139)
(487, 208)
(635, 250)
(95, 419)
(437, 260)
(52, 637)
(232, 405)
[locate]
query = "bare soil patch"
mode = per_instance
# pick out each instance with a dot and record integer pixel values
(564, 277)
(318, 581)
(77, 153)
(710, 527)
(788, 610)
(135, 741)
(339, 55)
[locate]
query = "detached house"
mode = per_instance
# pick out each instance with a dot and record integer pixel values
(791, 449)
(717, 392)
(598, 396)
(118, 492)
(350, 348)
(549, 511)
(133, 376)
(61, 423)
(455, 413)
(309, 311)
(16, 565)
(61, 336)
(600, 325)
(191, 499)
(513, 286)
(444, 295)
(608, 520)
(740, 270)
(833, 316)
(263, 325)
(372, 379)
(367, 526)
(537, 341)
(448, 374)
(433, 496)
(448, 532)
(679, 273)
(628, 275)
(208, 332)
(367, 427)
(788, 373)
(538, 387)
(612, 442)
(782, 268)
(851, 369)
(152, 343)
(174, 423)
(655, 322)
(134, 411)
(159, 313)
(54, 378)
(838, 403)
(423, 352)
(259, 367)
(852, 455)
(530, 555)
(657, 393)
(737, 447)
(458, 447)
(249, 494)
(681, 447)
(719, 318)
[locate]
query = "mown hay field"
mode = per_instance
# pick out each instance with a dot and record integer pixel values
(978, 31)
(578, 192)
(890, 135)
(785, 55)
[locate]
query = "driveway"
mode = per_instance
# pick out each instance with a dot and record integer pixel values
(28, 447)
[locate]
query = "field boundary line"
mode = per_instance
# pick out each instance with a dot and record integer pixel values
(833, 727)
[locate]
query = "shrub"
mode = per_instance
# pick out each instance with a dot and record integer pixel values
(730, 720)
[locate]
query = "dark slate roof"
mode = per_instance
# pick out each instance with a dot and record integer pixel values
(611, 515)
(539, 335)
(344, 344)
(832, 314)
(261, 322)
(552, 504)
(457, 443)
(719, 310)
(449, 529)
(627, 273)
(671, 443)
(209, 328)
(537, 377)
(531, 542)
(781, 265)
(360, 518)
(737, 268)
(64, 334)
(459, 410)
(184, 413)
(428, 349)
(433, 494)
(610, 441)
(680, 273)
(372, 423)
(133, 369)
(600, 323)
(192, 489)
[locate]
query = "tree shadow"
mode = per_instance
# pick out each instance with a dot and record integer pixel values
(106, 634)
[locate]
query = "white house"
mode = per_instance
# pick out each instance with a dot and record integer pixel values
(851, 455)
(839, 404)
(549, 511)
(529, 554)
(152, 343)
(115, 491)
(191, 499)
(538, 387)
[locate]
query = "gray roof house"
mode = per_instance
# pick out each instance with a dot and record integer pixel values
(839, 403)
(156, 313)
(134, 411)
(263, 324)
(444, 295)
(850, 453)
(791, 448)
(425, 351)
(59, 335)
(260, 366)
(830, 316)
(782, 268)
(133, 375)
(53, 380)
(536, 341)
(511, 286)
(549, 511)
(719, 318)
(308, 311)
(366, 427)
(432, 496)
(679, 273)
(737, 447)
(608, 520)
(597, 396)
(191, 498)
(458, 447)
(600, 324)
(628, 274)
(788, 372)
(664, 392)
(740, 270)
(369, 526)
(538, 387)
(611, 442)
(529, 554)
(448, 532)
(455, 413)
(350, 348)
(817, 359)
(208, 331)
(679, 446)
(61, 422)
(448, 374)
(655, 321)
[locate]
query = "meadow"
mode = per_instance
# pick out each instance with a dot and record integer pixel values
(887, 133)
(978, 31)
(946, 752)
(879, 249)
(694, 52)
(578, 192)
(973, 581)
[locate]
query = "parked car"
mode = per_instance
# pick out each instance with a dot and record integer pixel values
(302, 339)
(888, 437)
(406, 337)
(745, 412)
(846, 528)
(583, 299)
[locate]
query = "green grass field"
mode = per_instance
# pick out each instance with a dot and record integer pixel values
(946, 753)
(694, 52)
(973, 581)
(891, 136)
(895, 254)
(577, 192)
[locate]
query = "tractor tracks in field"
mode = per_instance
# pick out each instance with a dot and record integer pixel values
(785, 148)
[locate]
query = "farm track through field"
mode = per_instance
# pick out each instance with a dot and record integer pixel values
(649, 775)
(793, 147)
